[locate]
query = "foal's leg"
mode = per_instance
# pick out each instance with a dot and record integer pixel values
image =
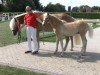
(61, 42)
(72, 45)
(57, 43)
(84, 41)
(67, 40)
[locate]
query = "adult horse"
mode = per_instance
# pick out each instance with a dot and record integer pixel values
(18, 20)
(68, 29)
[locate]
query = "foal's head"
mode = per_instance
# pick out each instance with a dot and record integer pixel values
(15, 22)
(51, 19)
(46, 18)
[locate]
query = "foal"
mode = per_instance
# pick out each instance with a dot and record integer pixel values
(68, 29)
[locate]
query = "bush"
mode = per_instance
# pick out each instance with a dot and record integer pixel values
(85, 15)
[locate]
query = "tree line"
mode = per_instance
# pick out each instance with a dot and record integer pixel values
(19, 6)
(84, 8)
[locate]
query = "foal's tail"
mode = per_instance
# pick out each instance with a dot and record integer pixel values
(90, 29)
(77, 39)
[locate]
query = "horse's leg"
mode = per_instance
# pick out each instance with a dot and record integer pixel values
(84, 41)
(72, 44)
(57, 43)
(38, 39)
(67, 40)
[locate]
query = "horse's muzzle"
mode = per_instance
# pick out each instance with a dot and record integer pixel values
(14, 32)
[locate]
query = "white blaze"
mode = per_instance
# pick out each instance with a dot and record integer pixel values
(11, 24)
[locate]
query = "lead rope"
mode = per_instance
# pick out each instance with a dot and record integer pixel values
(19, 33)
(19, 37)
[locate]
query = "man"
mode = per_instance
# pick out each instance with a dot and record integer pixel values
(30, 20)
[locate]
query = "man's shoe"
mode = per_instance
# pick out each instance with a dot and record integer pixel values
(28, 52)
(35, 52)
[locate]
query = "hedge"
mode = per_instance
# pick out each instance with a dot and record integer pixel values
(85, 15)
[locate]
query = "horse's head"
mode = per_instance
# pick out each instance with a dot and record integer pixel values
(46, 17)
(15, 23)
(13, 26)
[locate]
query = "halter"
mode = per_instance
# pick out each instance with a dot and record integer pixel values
(19, 30)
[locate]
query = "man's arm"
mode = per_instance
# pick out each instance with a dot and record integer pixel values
(39, 20)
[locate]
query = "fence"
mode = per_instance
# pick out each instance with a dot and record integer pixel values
(8, 15)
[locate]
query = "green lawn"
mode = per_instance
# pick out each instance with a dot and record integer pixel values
(48, 38)
(96, 25)
(7, 38)
(6, 70)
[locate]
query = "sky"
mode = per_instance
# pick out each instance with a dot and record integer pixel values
(0, 2)
(72, 3)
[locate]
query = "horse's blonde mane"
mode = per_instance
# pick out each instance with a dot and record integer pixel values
(34, 11)
(19, 15)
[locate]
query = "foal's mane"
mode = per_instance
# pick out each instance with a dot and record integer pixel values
(56, 18)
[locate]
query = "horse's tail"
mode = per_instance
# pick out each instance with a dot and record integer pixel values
(77, 39)
(90, 29)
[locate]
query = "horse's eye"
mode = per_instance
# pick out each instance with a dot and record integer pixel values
(47, 18)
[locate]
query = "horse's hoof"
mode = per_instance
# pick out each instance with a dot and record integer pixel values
(71, 50)
(55, 52)
(82, 55)
(64, 49)
(62, 55)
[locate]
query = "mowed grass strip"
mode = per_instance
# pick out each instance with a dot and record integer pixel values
(6, 70)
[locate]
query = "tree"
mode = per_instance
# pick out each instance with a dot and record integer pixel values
(82, 9)
(38, 5)
(49, 7)
(96, 8)
(60, 8)
(1, 7)
(54, 8)
(75, 9)
(85, 8)
(19, 5)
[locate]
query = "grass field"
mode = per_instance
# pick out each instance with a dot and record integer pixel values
(6, 70)
(6, 37)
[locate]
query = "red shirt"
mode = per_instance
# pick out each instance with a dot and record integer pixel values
(30, 20)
